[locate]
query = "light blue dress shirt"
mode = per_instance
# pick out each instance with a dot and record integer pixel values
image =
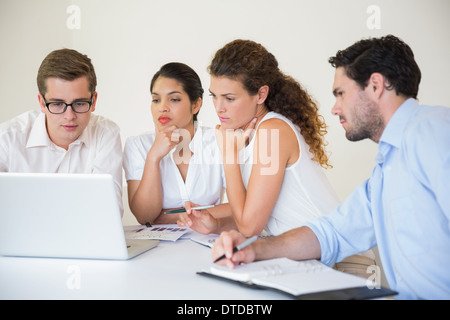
(404, 207)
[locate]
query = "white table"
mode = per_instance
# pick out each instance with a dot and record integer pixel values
(165, 272)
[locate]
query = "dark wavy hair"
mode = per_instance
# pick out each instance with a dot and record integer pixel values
(387, 55)
(189, 79)
(251, 64)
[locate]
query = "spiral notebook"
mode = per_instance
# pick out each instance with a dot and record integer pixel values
(308, 279)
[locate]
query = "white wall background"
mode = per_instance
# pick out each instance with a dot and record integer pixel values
(129, 40)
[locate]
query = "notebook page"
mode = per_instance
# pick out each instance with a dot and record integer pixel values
(318, 280)
(265, 269)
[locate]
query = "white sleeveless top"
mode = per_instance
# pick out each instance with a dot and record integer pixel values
(305, 193)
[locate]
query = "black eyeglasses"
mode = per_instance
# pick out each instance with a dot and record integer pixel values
(61, 107)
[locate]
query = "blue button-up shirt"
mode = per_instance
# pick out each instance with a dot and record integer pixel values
(404, 207)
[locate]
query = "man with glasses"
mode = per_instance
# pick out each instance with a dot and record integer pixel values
(64, 137)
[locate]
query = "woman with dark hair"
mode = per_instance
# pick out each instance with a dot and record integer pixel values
(178, 164)
(275, 182)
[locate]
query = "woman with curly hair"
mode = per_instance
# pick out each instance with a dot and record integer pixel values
(273, 163)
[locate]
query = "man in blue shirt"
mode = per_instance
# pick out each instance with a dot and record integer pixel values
(404, 207)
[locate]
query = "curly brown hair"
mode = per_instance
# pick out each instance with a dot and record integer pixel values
(250, 63)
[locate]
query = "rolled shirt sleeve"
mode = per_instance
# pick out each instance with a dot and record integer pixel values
(348, 230)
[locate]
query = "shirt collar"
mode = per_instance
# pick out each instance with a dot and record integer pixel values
(196, 143)
(393, 133)
(84, 138)
(39, 135)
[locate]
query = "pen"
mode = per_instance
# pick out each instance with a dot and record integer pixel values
(239, 247)
(184, 209)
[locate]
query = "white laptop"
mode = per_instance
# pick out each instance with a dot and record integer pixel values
(63, 216)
